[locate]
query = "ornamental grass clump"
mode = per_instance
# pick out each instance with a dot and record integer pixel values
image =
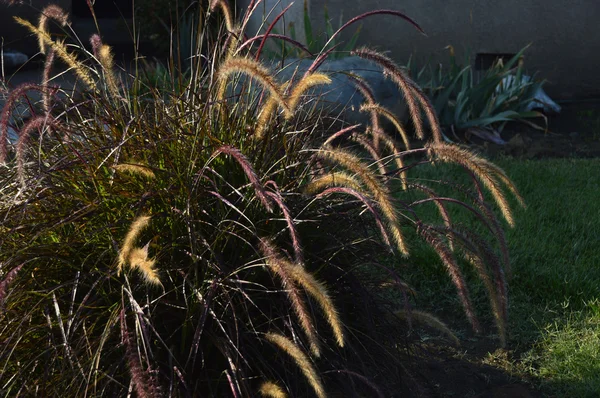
(213, 239)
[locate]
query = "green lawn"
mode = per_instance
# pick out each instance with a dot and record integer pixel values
(555, 287)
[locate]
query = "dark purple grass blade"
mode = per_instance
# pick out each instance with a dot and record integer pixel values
(276, 36)
(365, 201)
(5, 116)
(277, 198)
(341, 133)
(4, 285)
(269, 29)
(377, 12)
(248, 170)
(319, 60)
(364, 379)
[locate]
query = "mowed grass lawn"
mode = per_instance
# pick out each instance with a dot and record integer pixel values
(554, 332)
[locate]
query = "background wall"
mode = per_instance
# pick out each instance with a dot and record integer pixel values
(564, 35)
(113, 26)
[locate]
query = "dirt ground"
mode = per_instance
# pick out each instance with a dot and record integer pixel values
(575, 132)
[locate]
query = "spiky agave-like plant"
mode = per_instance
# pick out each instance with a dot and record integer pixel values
(233, 205)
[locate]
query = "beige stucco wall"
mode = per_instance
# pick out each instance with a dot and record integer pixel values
(565, 35)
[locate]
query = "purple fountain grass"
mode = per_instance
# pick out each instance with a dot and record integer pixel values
(362, 378)
(275, 263)
(278, 199)
(273, 36)
(269, 29)
(340, 133)
(367, 92)
(226, 10)
(445, 254)
(366, 202)
(319, 60)
(47, 91)
(249, 171)
(481, 256)
(50, 12)
(269, 389)
(6, 113)
(376, 12)
(486, 172)
(303, 362)
(5, 284)
(412, 93)
(141, 378)
(438, 203)
(369, 146)
(37, 123)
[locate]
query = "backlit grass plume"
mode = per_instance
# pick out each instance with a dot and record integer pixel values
(252, 69)
(413, 96)
(490, 174)
(281, 268)
(61, 50)
(306, 83)
(379, 192)
(50, 12)
(270, 389)
(300, 358)
(134, 169)
(127, 247)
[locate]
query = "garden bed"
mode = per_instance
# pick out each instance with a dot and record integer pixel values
(575, 132)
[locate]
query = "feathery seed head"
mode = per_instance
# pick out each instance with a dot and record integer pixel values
(281, 268)
(269, 389)
(408, 88)
(254, 70)
(50, 12)
(318, 291)
(378, 190)
(134, 169)
(61, 50)
(131, 237)
(483, 169)
(301, 360)
(307, 82)
(138, 258)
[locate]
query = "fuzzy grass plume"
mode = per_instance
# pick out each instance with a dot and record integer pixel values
(50, 12)
(413, 96)
(490, 174)
(280, 267)
(303, 362)
(256, 71)
(270, 389)
(307, 82)
(61, 50)
(134, 169)
(136, 228)
(377, 189)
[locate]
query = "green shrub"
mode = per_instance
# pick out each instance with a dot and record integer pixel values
(192, 241)
(465, 100)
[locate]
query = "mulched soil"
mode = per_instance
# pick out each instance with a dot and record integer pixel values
(575, 132)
